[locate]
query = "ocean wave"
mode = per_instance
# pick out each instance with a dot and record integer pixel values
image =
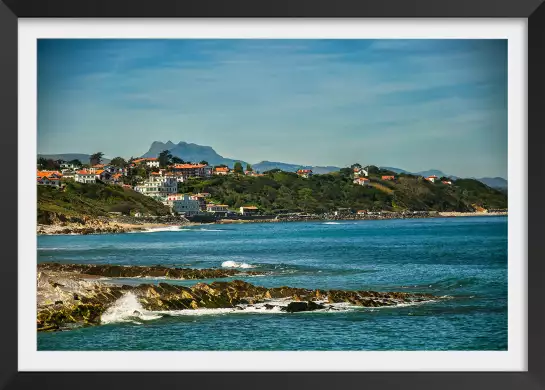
(236, 264)
(208, 230)
(332, 223)
(160, 229)
(127, 309)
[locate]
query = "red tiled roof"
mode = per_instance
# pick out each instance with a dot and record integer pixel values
(188, 166)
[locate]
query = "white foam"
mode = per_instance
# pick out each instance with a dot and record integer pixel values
(210, 230)
(235, 264)
(332, 223)
(160, 229)
(127, 309)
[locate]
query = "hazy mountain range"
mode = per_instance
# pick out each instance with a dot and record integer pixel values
(196, 153)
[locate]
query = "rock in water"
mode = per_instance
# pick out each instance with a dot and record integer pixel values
(294, 307)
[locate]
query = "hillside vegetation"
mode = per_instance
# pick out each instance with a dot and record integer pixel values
(92, 200)
(279, 191)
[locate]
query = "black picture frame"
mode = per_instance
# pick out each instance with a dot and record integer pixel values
(532, 10)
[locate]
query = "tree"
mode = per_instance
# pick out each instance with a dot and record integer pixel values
(249, 168)
(204, 162)
(96, 158)
(238, 167)
(42, 162)
(356, 165)
(165, 158)
(118, 162)
(75, 162)
(176, 160)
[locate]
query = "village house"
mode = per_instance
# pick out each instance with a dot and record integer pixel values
(253, 173)
(447, 182)
(185, 171)
(68, 175)
(152, 162)
(201, 198)
(388, 177)
(362, 181)
(431, 179)
(306, 173)
(49, 178)
(221, 171)
(361, 212)
(85, 177)
(360, 172)
(217, 209)
(248, 210)
(186, 205)
(116, 178)
(157, 186)
(69, 166)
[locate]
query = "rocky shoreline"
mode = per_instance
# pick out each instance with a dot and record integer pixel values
(131, 224)
(68, 297)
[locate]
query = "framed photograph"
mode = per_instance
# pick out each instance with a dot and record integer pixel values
(308, 195)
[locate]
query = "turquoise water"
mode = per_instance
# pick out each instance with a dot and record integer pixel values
(464, 259)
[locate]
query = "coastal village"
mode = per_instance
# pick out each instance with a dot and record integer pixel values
(159, 178)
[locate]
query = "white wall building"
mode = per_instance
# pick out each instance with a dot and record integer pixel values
(158, 187)
(85, 177)
(360, 172)
(362, 181)
(186, 205)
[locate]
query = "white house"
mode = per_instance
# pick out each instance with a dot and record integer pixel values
(85, 177)
(431, 179)
(49, 178)
(221, 171)
(248, 210)
(217, 209)
(69, 166)
(158, 186)
(186, 205)
(152, 162)
(362, 181)
(360, 172)
(306, 173)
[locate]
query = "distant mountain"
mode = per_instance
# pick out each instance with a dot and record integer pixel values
(268, 165)
(494, 182)
(435, 172)
(84, 158)
(396, 170)
(190, 152)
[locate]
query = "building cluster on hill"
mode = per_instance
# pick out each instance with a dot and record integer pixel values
(154, 178)
(158, 183)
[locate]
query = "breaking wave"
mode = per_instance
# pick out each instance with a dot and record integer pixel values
(332, 223)
(127, 309)
(236, 264)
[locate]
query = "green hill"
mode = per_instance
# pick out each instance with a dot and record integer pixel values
(279, 191)
(92, 200)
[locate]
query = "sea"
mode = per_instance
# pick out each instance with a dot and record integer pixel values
(463, 260)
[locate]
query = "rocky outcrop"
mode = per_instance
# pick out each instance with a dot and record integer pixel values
(65, 299)
(129, 271)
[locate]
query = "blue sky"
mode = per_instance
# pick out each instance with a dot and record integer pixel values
(412, 104)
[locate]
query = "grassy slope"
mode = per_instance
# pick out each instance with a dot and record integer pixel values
(93, 200)
(283, 191)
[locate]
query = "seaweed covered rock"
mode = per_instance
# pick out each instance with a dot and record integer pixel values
(68, 297)
(294, 307)
(130, 271)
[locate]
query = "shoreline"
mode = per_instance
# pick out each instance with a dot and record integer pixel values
(115, 227)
